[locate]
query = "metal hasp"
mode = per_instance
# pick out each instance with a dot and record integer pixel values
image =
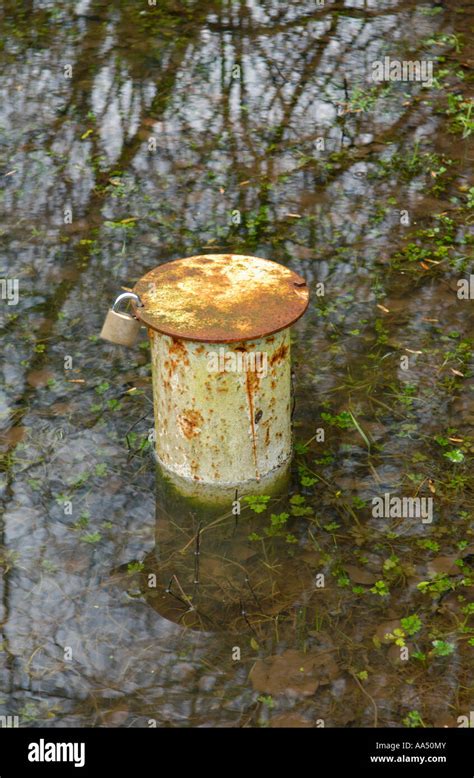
(220, 347)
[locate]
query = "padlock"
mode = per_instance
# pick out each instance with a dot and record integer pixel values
(122, 328)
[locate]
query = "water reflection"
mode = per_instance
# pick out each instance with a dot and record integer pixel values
(207, 572)
(195, 128)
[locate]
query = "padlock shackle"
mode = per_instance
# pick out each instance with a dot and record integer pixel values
(127, 296)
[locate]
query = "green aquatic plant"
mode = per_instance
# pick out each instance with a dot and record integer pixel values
(455, 455)
(277, 529)
(413, 719)
(411, 624)
(92, 537)
(343, 420)
(257, 503)
(299, 507)
(397, 636)
(441, 648)
(135, 567)
(461, 113)
(381, 588)
(438, 585)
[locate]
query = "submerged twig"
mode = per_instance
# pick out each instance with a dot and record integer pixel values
(247, 581)
(197, 553)
(364, 691)
(243, 613)
(187, 599)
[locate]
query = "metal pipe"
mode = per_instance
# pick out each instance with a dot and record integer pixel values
(220, 350)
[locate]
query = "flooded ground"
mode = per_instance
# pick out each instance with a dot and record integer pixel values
(132, 134)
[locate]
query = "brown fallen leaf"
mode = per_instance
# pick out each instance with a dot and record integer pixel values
(38, 378)
(312, 558)
(13, 435)
(61, 409)
(445, 721)
(360, 575)
(115, 718)
(293, 671)
(444, 565)
(292, 720)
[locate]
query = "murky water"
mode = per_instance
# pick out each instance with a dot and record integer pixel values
(131, 135)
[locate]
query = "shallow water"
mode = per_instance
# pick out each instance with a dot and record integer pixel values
(195, 128)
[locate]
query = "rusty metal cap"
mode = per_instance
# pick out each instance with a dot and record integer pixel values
(221, 298)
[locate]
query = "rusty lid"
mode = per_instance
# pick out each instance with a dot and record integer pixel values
(221, 298)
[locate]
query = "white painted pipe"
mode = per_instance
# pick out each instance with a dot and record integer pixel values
(220, 348)
(218, 426)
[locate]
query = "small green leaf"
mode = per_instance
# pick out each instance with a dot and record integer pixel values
(297, 499)
(257, 503)
(411, 624)
(92, 537)
(306, 480)
(442, 648)
(454, 456)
